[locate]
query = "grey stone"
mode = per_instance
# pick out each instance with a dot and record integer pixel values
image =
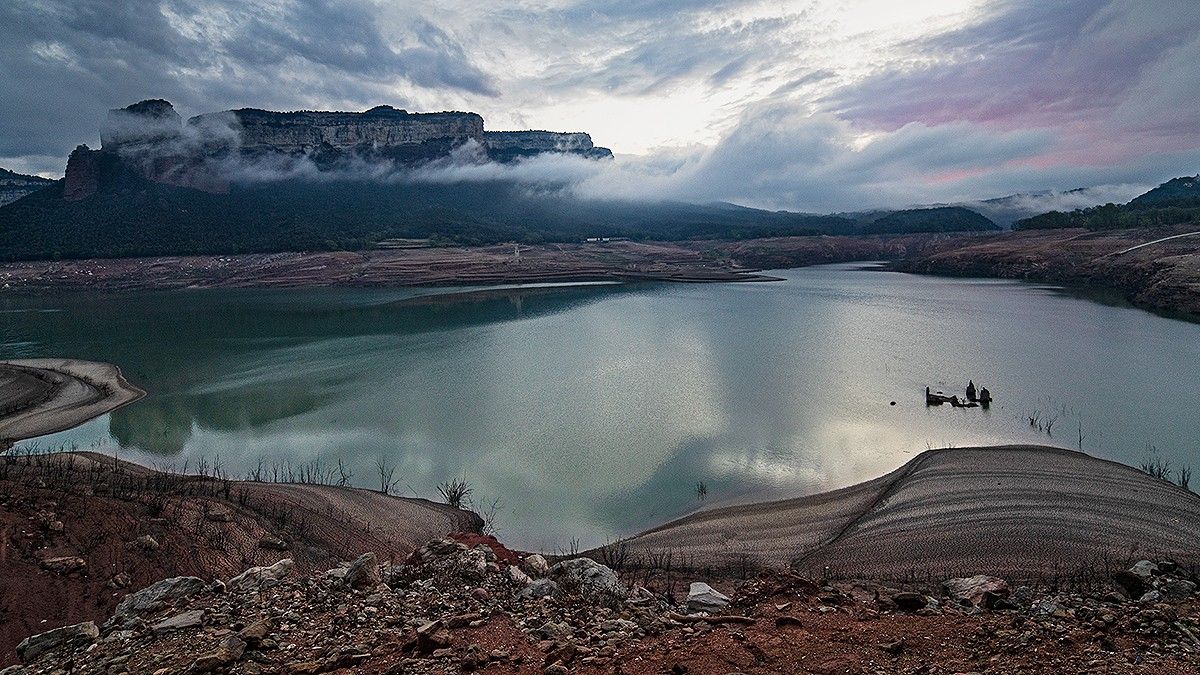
(78, 634)
(156, 595)
(977, 591)
(535, 566)
(189, 619)
(589, 576)
(363, 573)
(255, 577)
(1176, 590)
(539, 588)
(705, 598)
(1144, 569)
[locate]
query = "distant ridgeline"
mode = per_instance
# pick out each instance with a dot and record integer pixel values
(253, 180)
(14, 185)
(1174, 202)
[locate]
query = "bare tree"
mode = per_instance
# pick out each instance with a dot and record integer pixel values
(387, 473)
(455, 492)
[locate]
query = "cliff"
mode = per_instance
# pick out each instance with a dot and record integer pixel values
(211, 150)
(15, 185)
(509, 145)
(379, 128)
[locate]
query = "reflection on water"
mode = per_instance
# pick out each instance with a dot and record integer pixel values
(595, 411)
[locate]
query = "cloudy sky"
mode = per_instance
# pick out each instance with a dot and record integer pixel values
(817, 105)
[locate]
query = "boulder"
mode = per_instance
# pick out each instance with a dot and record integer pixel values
(588, 576)
(256, 632)
(538, 588)
(704, 598)
(977, 591)
(535, 566)
(189, 619)
(1136, 580)
(273, 544)
(255, 577)
(228, 651)
(518, 576)
(78, 634)
(1176, 590)
(910, 602)
(147, 543)
(155, 596)
(363, 573)
(1144, 569)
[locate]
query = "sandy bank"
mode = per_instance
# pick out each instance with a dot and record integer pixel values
(44, 396)
(1006, 510)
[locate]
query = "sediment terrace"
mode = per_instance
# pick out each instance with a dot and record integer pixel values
(44, 396)
(1163, 277)
(1013, 511)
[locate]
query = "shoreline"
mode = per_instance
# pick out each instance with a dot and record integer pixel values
(51, 395)
(1161, 278)
(1019, 511)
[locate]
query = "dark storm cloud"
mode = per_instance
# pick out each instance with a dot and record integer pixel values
(65, 62)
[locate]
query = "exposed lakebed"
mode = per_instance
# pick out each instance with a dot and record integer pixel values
(595, 411)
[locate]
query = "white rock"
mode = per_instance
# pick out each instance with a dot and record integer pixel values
(705, 598)
(255, 577)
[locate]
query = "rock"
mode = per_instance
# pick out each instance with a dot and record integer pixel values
(75, 635)
(64, 564)
(538, 588)
(1150, 597)
(977, 591)
(588, 576)
(473, 563)
(189, 619)
(255, 577)
(704, 598)
(273, 544)
(1133, 585)
(156, 595)
(363, 573)
(1144, 569)
(1176, 590)
(228, 651)
(119, 580)
(256, 632)
(518, 576)
(535, 566)
(910, 602)
(432, 636)
(219, 516)
(146, 543)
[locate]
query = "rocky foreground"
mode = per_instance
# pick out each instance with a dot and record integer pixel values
(475, 606)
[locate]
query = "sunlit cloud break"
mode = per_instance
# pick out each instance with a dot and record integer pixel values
(810, 106)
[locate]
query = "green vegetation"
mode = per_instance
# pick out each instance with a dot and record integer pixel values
(1175, 202)
(937, 219)
(131, 216)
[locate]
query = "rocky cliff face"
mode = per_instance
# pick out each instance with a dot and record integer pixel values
(208, 151)
(14, 185)
(83, 174)
(378, 128)
(507, 145)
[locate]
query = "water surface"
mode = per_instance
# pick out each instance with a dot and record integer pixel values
(595, 411)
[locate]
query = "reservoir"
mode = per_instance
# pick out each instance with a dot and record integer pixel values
(594, 411)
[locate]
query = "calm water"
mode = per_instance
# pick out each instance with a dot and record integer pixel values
(595, 411)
